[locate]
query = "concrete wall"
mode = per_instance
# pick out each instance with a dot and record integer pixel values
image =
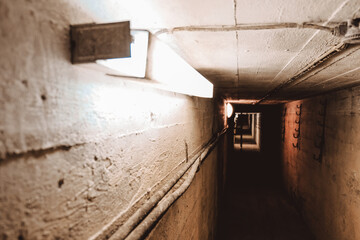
(80, 149)
(323, 178)
(194, 215)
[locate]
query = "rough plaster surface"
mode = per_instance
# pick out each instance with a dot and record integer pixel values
(327, 192)
(194, 215)
(78, 148)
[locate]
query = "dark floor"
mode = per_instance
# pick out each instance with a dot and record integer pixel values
(256, 208)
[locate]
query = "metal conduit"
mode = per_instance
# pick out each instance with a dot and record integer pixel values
(146, 216)
(243, 27)
(323, 58)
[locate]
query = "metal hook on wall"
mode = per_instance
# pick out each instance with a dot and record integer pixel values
(296, 136)
(296, 145)
(298, 107)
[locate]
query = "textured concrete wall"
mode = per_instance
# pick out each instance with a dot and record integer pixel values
(79, 149)
(324, 178)
(194, 215)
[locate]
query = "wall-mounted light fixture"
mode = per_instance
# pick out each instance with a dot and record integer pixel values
(91, 42)
(136, 54)
(229, 110)
(134, 66)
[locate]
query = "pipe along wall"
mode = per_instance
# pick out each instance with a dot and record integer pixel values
(81, 152)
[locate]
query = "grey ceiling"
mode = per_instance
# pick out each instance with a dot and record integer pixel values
(248, 64)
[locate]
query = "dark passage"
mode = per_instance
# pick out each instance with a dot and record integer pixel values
(255, 205)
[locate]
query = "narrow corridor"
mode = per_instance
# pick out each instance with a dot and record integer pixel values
(124, 120)
(255, 206)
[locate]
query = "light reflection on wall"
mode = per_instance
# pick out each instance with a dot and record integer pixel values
(130, 109)
(124, 102)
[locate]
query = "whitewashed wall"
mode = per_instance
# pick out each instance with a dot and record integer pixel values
(78, 149)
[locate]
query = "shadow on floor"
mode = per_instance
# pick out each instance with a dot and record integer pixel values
(255, 206)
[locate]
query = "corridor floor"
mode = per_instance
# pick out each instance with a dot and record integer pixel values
(255, 206)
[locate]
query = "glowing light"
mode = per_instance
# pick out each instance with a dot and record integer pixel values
(243, 101)
(135, 66)
(169, 69)
(161, 65)
(229, 110)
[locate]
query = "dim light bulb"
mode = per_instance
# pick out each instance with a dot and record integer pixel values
(229, 110)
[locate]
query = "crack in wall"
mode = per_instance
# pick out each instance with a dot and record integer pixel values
(237, 46)
(8, 156)
(36, 152)
(235, 8)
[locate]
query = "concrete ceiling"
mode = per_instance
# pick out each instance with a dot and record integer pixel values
(249, 64)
